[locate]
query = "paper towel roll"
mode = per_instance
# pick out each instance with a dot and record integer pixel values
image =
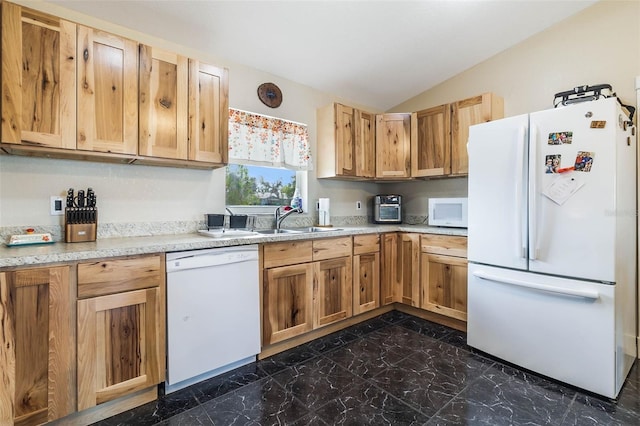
(324, 205)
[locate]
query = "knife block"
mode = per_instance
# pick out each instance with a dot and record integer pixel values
(81, 224)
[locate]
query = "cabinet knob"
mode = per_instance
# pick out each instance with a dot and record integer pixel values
(85, 54)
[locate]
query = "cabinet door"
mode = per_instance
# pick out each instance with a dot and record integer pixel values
(365, 144)
(287, 302)
(390, 282)
(107, 92)
(444, 285)
(332, 296)
(208, 112)
(37, 346)
(345, 141)
(38, 79)
(163, 101)
(393, 145)
(121, 348)
(465, 113)
(366, 282)
(409, 268)
(430, 142)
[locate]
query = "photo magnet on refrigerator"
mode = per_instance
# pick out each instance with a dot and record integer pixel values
(559, 138)
(551, 163)
(584, 161)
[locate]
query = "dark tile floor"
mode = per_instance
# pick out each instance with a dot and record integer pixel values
(394, 369)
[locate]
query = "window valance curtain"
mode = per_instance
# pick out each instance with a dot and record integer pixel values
(267, 141)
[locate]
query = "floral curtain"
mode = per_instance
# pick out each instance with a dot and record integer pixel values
(267, 141)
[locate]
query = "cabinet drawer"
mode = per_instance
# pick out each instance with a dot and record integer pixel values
(331, 248)
(445, 245)
(117, 275)
(287, 253)
(366, 243)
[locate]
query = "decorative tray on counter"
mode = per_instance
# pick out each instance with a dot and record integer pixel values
(30, 239)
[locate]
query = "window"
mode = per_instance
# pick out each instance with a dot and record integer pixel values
(268, 158)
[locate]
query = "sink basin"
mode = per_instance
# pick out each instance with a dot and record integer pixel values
(319, 229)
(279, 231)
(227, 233)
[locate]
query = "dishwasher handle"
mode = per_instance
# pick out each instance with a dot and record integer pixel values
(209, 259)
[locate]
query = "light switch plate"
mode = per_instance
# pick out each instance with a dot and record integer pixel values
(57, 205)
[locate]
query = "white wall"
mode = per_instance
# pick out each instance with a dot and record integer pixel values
(133, 193)
(599, 45)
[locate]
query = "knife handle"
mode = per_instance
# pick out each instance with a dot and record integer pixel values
(80, 198)
(70, 197)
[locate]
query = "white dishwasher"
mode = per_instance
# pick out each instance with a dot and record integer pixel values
(213, 313)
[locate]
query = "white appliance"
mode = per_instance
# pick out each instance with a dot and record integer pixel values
(451, 212)
(213, 313)
(552, 243)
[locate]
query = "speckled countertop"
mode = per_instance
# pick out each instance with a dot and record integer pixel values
(111, 247)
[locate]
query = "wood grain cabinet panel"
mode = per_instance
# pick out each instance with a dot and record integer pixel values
(164, 102)
(107, 92)
(393, 146)
(208, 112)
(444, 275)
(389, 276)
(439, 135)
(38, 79)
(37, 346)
(120, 345)
(346, 146)
(287, 302)
(366, 273)
(332, 293)
(409, 268)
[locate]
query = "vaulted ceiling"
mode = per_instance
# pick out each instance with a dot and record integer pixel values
(376, 53)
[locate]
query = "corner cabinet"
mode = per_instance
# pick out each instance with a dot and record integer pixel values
(306, 285)
(393, 146)
(37, 346)
(439, 135)
(346, 142)
(121, 328)
(38, 79)
(444, 275)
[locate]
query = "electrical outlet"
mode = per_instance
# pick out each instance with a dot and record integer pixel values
(57, 205)
(358, 205)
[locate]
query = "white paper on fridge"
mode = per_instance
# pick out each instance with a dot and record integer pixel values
(562, 188)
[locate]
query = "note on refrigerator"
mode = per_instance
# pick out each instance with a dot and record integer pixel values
(562, 188)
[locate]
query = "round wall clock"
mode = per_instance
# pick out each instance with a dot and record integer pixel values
(270, 95)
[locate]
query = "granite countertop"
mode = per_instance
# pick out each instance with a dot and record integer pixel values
(125, 246)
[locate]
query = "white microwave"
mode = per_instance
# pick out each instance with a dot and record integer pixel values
(448, 212)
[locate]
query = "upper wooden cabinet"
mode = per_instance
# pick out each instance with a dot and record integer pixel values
(37, 346)
(70, 91)
(393, 146)
(164, 102)
(346, 142)
(107, 92)
(38, 79)
(439, 135)
(208, 112)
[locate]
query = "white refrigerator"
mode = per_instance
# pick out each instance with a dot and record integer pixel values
(552, 243)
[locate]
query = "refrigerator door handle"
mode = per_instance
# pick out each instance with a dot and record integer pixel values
(586, 294)
(521, 249)
(533, 192)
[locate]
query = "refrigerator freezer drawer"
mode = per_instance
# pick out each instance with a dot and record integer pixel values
(561, 328)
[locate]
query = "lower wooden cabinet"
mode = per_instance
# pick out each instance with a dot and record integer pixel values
(389, 281)
(306, 285)
(121, 334)
(332, 297)
(287, 301)
(366, 273)
(444, 275)
(37, 346)
(409, 268)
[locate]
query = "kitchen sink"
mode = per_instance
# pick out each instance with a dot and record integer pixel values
(279, 231)
(318, 229)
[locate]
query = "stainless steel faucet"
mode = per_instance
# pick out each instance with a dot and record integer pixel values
(280, 217)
